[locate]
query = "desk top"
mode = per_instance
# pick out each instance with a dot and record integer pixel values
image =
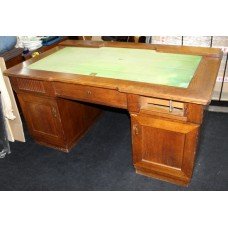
(178, 73)
(137, 65)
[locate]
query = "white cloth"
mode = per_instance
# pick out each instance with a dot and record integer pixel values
(6, 102)
(13, 122)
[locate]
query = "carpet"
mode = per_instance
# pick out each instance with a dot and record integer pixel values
(102, 160)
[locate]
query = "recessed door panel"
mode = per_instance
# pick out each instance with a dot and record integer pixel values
(166, 145)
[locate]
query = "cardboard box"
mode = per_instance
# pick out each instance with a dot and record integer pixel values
(200, 41)
(220, 41)
(224, 96)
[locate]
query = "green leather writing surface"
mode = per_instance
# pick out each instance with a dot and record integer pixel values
(138, 65)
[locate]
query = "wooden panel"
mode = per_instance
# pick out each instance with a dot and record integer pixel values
(154, 105)
(195, 113)
(149, 100)
(13, 82)
(30, 85)
(91, 94)
(33, 86)
(157, 114)
(163, 147)
(190, 149)
(42, 118)
(76, 118)
(14, 61)
(182, 180)
(133, 103)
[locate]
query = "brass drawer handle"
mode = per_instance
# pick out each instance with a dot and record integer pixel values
(89, 92)
(170, 106)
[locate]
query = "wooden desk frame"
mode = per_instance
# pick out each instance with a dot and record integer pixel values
(165, 120)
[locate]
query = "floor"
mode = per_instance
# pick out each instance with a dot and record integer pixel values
(102, 160)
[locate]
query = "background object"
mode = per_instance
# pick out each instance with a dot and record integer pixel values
(29, 42)
(7, 43)
(4, 143)
(14, 128)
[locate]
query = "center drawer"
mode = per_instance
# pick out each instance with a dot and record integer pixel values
(91, 94)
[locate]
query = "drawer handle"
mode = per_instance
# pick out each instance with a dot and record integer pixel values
(170, 106)
(89, 92)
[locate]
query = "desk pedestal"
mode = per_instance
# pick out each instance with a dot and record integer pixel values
(56, 122)
(164, 149)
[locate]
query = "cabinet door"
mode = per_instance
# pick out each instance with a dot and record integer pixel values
(42, 117)
(164, 147)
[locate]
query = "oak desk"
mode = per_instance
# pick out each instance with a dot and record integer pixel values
(164, 88)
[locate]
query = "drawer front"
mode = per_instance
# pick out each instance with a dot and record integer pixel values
(163, 146)
(33, 86)
(102, 96)
(164, 108)
(42, 117)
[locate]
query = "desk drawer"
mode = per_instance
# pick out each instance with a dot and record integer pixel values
(91, 94)
(162, 105)
(163, 108)
(31, 86)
